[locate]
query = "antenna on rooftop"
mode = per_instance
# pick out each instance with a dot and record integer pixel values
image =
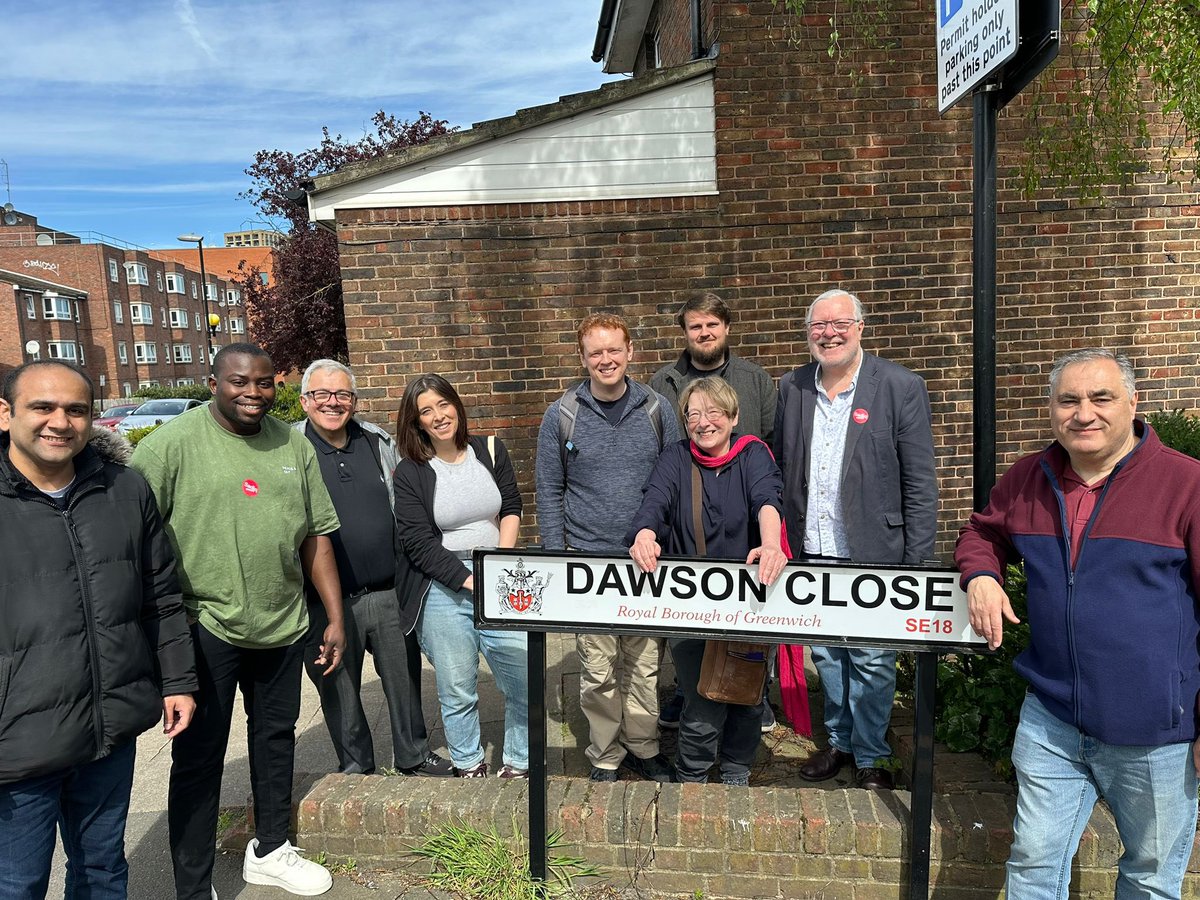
(7, 183)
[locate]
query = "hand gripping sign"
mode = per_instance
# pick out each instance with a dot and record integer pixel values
(894, 607)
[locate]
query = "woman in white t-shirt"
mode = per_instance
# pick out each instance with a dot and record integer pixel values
(455, 493)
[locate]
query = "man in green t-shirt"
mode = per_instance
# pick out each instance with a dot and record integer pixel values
(248, 515)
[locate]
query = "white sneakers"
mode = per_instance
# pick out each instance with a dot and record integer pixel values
(287, 869)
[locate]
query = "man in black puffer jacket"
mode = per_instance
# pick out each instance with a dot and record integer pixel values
(94, 644)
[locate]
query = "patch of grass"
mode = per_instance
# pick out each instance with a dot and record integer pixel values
(229, 818)
(485, 866)
(348, 866)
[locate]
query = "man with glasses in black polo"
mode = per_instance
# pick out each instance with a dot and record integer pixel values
(357, 460)
(854, 441)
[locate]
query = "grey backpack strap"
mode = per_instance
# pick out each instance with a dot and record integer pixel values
(568, 409)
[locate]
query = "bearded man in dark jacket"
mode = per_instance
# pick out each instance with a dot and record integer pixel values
(94, 644)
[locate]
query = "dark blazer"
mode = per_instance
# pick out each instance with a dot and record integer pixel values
(420, 556)
(889, 486)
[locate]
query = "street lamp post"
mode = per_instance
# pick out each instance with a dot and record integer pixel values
(198, 240)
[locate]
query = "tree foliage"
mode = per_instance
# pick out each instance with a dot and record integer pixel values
(298, 317)
(1127, 69)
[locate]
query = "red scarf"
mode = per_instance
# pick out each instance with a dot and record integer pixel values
(793, 685)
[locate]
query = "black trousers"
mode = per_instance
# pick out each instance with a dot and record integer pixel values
(372, 626)
(270, 684)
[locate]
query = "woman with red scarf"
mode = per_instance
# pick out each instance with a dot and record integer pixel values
(742, 519)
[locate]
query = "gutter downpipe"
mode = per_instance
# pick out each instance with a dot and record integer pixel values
(603, 28)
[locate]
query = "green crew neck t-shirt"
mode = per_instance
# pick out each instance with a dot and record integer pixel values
(236, 510)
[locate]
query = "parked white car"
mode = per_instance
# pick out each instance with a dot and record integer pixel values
(155, 412)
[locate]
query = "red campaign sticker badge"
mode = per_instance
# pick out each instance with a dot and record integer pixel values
(861, 416)
(250, 487)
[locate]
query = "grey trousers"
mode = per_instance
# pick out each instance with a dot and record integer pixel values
(707, 728)
(372, 626)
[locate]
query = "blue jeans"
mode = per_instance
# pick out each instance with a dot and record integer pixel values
(859, 687)
(447, 633)
(1060, 772)
(89, 803)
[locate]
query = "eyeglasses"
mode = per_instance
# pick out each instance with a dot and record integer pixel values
(840, 326)
(713, 415)
(323, 396)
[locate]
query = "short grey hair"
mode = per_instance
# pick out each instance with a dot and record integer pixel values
(859, 312)
(1092, 354)
(326, 365)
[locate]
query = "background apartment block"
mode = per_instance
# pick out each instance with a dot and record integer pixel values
(129, 316)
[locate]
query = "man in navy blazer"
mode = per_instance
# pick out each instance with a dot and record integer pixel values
(853, 438)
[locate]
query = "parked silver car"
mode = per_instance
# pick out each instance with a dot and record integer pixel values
(155, 412)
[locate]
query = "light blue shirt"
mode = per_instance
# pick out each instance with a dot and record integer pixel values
(824, 531)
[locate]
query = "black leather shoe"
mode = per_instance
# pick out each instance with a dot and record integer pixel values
(602, 774)
(654, 768)
(824, 764)
(874, 779)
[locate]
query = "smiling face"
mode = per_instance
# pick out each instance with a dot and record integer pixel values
(438, 418)
(329, 416)
(709, 426)
(243, 391)
(48, 422)
(606, 355)
(835, 352)
(1091, 414)
(707, 339)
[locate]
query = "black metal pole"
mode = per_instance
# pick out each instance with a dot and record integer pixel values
(987, 103)
(537, 756)
(921, 815)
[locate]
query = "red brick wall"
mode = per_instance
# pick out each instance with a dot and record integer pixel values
(822, 183)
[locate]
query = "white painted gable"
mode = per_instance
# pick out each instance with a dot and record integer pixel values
(657, 144)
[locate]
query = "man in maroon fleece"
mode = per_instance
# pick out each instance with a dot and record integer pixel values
(1107, 522)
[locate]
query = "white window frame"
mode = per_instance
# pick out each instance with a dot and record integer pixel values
(194, 293)
(137, 273)
(180, 382)
(56, 307)
(145, 352)
(30, 307)
(234, 297)
(122, 353)
(158, 280)
(179, 317)
(175, 283)
(237, 326)
(118, 312)
(54, 350)
(141, 314)
(197, 321)
(210, 292)
(114, 274)
(182, 353)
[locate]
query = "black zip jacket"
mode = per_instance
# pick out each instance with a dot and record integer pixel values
(92, 629)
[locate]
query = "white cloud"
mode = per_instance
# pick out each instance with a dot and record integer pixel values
(167, 88)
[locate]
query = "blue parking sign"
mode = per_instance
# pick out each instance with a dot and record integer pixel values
(947, 9)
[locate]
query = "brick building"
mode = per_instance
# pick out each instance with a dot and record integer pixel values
(128, 316)
(738, 162)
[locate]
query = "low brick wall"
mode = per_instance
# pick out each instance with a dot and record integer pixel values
(675, 840)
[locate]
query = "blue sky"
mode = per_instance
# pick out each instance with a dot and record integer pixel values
(137, 120)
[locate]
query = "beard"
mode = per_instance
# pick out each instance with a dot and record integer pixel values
(709, 355)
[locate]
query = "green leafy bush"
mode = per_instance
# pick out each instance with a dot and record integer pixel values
(1177, 430)
(287, 403)
(136, 434)
(182, 392)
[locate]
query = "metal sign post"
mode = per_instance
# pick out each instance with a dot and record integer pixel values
(897, 608)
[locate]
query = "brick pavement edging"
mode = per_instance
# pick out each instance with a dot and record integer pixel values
(675, 840)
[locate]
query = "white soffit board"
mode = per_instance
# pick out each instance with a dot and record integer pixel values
(658, 144)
